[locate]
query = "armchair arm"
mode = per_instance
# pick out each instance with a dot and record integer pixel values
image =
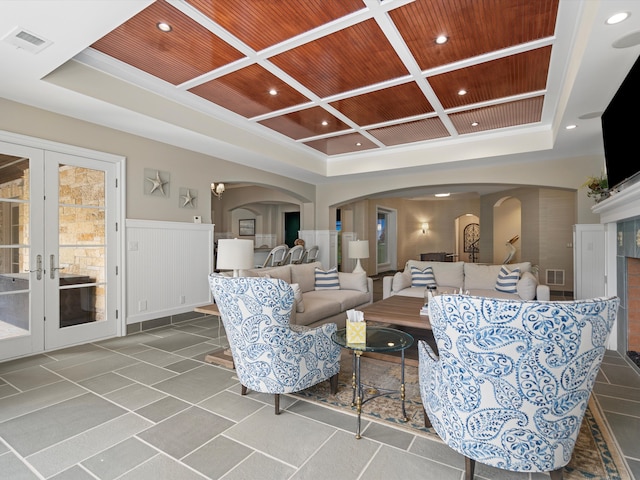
(543, 293)
(386, 286)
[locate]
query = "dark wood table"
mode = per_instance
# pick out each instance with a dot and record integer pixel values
(404, 313)
(219, 357)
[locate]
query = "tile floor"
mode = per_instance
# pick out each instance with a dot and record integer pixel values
(147, 407)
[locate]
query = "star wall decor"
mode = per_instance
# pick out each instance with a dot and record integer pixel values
(188, 198)
(156, 182)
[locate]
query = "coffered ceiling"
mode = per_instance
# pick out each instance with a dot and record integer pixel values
(349, 76)
(335, 87)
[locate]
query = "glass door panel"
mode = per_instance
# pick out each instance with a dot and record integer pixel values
(82, 240)
(14, 247)
(78, 249)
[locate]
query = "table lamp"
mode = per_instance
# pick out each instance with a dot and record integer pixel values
(234, 254)
(358, 249)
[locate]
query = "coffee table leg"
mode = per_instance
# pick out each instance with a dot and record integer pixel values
(354, 384)
(402, 389)
(359, 396)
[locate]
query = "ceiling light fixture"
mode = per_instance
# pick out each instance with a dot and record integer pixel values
(474, 124)
(273, 91)
(462, 91)
(217, 190)
(442, 195)
(617, 18)
(442, 39)
(325, 123)
(570, 127)
(358, 144)
(163, 26)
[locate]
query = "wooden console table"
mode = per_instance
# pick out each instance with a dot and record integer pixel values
(219, 357)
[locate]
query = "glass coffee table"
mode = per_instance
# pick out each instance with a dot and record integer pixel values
(379, 339)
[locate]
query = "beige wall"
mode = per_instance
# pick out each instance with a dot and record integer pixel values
(187, 169)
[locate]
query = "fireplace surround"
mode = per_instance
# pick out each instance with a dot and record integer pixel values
(620, 214)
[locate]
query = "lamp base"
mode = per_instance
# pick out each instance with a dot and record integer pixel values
(358, 268)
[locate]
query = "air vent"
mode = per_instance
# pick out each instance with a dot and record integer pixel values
(26, 40)
(555, 277)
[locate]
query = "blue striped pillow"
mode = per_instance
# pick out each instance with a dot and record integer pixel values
(507, 281)
(422, 278)
(327, 280)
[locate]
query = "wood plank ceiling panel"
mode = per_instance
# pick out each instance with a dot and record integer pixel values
(187, 51)
(474, 27)
(385, 105)
(247, 92)
(351, 58)
(261, 24)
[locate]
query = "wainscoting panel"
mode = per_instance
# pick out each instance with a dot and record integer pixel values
(167, 268)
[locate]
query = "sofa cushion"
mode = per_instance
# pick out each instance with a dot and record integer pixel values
(353, 281)
(318, 304)
(297, 293)
(327, 279)
(527, 286)
(304, 275)
(345, 299)
(448, 274)
(422, 278)
(480, 277)
(507, 280)
(283, 273)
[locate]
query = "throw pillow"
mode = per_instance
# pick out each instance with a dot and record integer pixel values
(422, 278)
(507, 281)
(527, 286)
(297, 293)
(327, 280)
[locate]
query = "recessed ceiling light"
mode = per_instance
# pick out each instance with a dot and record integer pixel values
(165, 27)
(474, 124)
(462, 91)
(442, 194)
(442, 39)
(325, 123)
(570, 127)
(617, 18)
(273, 91)
(358, 144)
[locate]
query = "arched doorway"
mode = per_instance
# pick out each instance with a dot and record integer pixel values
(507, 227)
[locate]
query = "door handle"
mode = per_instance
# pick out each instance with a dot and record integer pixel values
(52, 267)
(38, 267)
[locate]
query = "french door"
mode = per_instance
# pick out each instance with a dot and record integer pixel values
(58, 249)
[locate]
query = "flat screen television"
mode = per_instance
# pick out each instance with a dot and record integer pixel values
(620, 131)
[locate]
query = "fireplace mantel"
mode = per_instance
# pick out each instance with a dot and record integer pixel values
(620, 206)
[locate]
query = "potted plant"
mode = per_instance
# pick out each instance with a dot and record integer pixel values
(597, 187)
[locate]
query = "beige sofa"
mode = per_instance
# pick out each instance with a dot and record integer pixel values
(477, 279)
(315, 307)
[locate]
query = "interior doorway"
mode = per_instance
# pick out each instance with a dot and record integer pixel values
(386, 240)
(291, 227)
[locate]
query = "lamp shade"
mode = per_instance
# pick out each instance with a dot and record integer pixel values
(234, 254)
(359, 249)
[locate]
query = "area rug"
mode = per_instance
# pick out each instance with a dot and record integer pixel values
(596, 455)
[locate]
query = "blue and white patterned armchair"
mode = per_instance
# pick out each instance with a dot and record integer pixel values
(513, 378)
(269, 354)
